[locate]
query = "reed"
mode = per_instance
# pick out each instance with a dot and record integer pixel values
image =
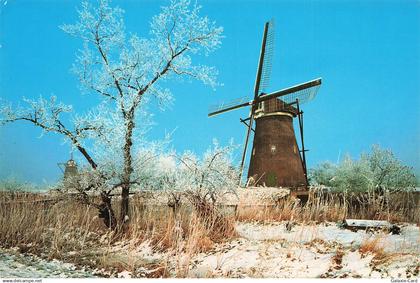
(69, 230)
(64, 228)
(398, 207)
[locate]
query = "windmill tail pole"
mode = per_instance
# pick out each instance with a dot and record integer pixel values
(300, 117)
(245, 146)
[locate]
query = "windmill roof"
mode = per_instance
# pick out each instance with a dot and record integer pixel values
(277, 105)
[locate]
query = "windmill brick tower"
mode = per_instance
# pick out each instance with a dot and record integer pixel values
(276, 159)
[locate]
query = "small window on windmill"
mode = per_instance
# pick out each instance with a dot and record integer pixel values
(273, 149)
(260, 107)
(253, 151)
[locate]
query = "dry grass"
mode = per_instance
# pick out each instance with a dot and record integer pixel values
(30, 222)
(183, 251)
(182, 234)
(165, 227)
(72, 231)
(376, 248)
(335, 207)
(337, 259)
(291, 209)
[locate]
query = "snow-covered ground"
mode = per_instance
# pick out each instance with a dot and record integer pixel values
(270, 250)
(309, 251)
(406, 242)
(14, 265)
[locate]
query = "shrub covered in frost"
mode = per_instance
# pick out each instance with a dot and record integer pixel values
(379, 170)
(207, 176)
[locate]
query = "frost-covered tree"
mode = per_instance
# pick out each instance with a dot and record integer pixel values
(205, 177)
(208, 177)
(353, 175)
(388, 172)
(125, 71)
(323, 174)
(201, 180)
(377, 170)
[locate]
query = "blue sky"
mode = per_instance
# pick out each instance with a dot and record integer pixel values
(367, 52)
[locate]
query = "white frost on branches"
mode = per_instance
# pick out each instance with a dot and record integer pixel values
(126, 71)
(379, 169)
(208, 176)
(45, 113)
(125, 68)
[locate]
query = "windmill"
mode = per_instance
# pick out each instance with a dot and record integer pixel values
(275, 157)
(69, 170)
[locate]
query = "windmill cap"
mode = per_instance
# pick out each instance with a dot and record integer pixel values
(71, 162)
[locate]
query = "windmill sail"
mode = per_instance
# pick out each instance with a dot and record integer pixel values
(303, 92)
(261, 61)
(229, 106)
(261, 69)
(303, 96)
(263, 74)
(268, 57)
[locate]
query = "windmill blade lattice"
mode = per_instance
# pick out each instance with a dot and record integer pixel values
(268, 57)
(304, 92)
(303, 95)
(228, 105)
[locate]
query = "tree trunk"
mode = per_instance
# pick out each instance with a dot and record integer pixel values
(124, 203)
(128, 168)
(106, 212)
